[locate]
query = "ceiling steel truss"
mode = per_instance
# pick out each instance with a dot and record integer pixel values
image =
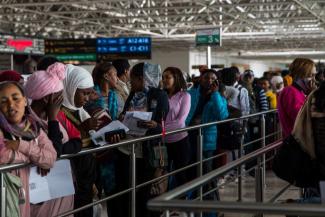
(246, 24)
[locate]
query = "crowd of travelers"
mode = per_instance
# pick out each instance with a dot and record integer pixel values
(52, 112)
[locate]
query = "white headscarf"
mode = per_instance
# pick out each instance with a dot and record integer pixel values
(277, 83)
(76, 77)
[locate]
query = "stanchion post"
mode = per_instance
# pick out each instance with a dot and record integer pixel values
(240, 172)
(259, 184)
(263, 134)
(200, 157)
(2, 196)
(133, 166)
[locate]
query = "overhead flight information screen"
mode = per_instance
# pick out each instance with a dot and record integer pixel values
(67, 50)
(124, 47)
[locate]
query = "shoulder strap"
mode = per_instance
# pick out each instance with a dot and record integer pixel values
(239, 88)
(70, 116)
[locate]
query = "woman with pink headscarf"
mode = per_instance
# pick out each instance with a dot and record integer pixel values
(45, 89)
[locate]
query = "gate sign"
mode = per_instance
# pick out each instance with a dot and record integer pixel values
(208, 37)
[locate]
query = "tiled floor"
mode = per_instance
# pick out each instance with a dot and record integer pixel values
(229, 192)
(273, 186)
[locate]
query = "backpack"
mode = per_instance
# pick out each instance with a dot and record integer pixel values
(294, 165)
(231, 133)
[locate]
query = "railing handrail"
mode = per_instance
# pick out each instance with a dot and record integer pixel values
(157, 203)
(195, 183)
(239, 207)
(136, 140)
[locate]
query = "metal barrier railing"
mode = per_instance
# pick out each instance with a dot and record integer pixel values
(169, 201)
(132, 142)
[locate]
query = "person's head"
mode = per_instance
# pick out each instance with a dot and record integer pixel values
(207, 78)
(248, 76)
(10, 75)
(319, 97)
(29, 66)
(264, 83)
(13, 102)
(229, 76)
(235, 68)
(105, 72)
(136, 77)
(43, 87)
(302, 68)
(267, 75)
(144, 75)
(173, 80)
(320, 76)
(203, 68)
(122, 67)
(277, 83)
(78, 85)
(285, 72)
(14, 111)
(45, 62)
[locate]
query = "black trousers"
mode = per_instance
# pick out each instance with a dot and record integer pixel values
(122, 204)
(179, 154)
(85, 173)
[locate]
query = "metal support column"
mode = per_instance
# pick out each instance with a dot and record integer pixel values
(209, 57)
(12, 62)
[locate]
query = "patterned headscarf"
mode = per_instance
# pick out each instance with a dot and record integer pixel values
(151, 77)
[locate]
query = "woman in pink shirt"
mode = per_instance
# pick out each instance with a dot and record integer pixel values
(178, 146)
(293, 97)
(22, 140)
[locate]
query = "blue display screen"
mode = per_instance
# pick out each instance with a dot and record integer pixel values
(124, 45)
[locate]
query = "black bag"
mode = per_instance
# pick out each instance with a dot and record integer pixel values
(294, 165)
(230, 135)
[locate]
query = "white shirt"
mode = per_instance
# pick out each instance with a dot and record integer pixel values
(241, 102)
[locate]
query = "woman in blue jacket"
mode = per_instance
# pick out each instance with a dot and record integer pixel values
(207, 105)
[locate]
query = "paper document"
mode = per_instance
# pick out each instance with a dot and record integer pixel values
(57, 183)
(98, 137)
(131, 121)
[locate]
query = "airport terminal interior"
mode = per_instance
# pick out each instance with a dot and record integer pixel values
(162, 108)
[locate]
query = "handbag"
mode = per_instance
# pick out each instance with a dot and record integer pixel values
(230, 135)
(294, 165)
(15, 194)
(161, 186)
(158, 157)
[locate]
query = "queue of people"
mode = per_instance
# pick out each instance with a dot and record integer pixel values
(53, 112)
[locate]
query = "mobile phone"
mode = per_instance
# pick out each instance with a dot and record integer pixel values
(110, 134)
(141, 124)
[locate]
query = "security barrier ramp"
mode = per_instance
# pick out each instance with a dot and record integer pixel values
(170, 201)
(173, 200)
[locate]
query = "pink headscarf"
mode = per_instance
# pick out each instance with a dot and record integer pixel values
(43, 83)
